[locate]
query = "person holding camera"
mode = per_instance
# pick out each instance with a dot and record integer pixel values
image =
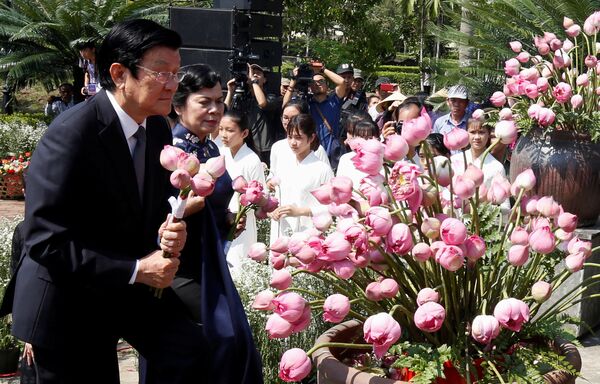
(91, 84)
(58, 104)
(263, 111)
(325, 108)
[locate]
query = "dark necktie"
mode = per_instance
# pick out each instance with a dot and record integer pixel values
(139, 159)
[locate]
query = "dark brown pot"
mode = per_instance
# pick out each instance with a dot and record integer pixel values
(9, 360)
(566, 166)
(332, 371)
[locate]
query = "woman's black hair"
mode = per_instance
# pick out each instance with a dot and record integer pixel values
(304, 123)
(195, 78)
(127, 43)
(365, 129)
(436, 141)
(242, 122)
(300, 105)
(353, 120)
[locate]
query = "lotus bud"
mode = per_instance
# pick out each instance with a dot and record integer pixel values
(169, 157)
(474, 174)
(379, 219)
(478, 114)
(512, 67)
(463, 187)
(382, 331)
(543, 49)
(215, 166)
(373, 291)
(577, 245)
(281, 279)
(429, 317)
(450, 257)
(567, 221)
(202, 184)
(475, 248)
(442, 170)
(542, 240)
(335, 308)
(576, 101)
(239, 184)
(541, 291)
(453, 231)
(341, 189)
(567, 45)
(396, 147)
(426, 295)
(290, 306)
(519, 236)
(523, 57)
(574, 262)
(258, 252)
(431, 227)
(322, 221)
(511, 313)
(525, 180)
(180, 179)
(294, 365)
(264, 301)
(516, 46)
(591, 61)
(506, 113)
(506, 131)
(389, 288)
(518, 255)
(498, 99)
(567, 22)
(485, 328)
(456, 139)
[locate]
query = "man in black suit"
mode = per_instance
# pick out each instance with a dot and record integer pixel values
(95, 214)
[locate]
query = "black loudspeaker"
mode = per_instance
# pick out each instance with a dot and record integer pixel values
(209, 28)
(274, 6)
(218, 59)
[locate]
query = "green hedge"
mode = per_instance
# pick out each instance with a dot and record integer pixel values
(410, 83)
(399, 68)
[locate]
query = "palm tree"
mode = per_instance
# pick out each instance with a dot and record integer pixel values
(38, 38)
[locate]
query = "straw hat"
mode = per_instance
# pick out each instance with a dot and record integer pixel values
(385, 103)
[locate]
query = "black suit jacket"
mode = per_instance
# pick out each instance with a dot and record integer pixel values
(84, 223)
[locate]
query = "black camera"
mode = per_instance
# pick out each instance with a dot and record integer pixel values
(238, 67)
(398, 126)
(304, 79)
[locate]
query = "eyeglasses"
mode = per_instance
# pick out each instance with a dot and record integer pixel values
(320, 81)
(164, 77)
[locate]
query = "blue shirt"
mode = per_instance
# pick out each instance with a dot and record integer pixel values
(444, 124)
(331, 109)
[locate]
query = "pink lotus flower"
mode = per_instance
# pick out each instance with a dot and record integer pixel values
(545, 117)
(323, 194)
(485, 328)
(542, 84)
(450, 257)
(512, 67)
(475, 248)
(253, 194)
(591, 61)
(453, 231)
(399, 239)
(289, 305)
(583, 80)
(180, 179)
(369, 155)
(335, 247)
(576, 101)
(215, 166)
(555, 44)
(389, 288)
(202, 184)
(592, 24)
(429, 317)
(239, 184)
(421, 252)
(562, 92)
(519, 236)
(281, 244)
(576, 245)
(303, 322)
(498, 99)
(281, 279)
(516, 46)
(541, 291)
(567, 221)
(341, 189)
(426, 295)
(258, 252)
(525, 180)
(547, 206)
(372, 188)
(277, 327)
(463, 187)
(532, 91)
(373, 291)
(506, 131)
(344, 269)
(379, 219)
(523, 57)
(574, 262)
(542, 240)
(396, 148)
(506, 113)
(264, 301)
(442, 170)
(478, 114)
(543, 49)
(518, 255)
(169, 157)
(294, 366)
(499, 190)
(188, 163)
(322, 221)
(335, 308)
(511, 313)
(456, 139)
(567, 22)
(382, 331)
(416, 130)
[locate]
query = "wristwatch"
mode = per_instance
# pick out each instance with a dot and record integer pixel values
(254, 81)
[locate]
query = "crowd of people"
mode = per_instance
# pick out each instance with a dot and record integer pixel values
(97, 224)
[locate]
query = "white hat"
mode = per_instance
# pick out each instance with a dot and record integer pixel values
(458, 92)
(385, 103)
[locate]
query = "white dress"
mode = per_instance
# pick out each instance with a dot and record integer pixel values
(282, 157)
(296, 182)
(246, 163)
(346, 168)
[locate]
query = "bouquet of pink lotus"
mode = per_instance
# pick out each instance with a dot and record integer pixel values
(559, 87)
(438, 274)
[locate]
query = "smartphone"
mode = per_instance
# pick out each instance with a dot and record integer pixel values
(91, 88)
(316, 64)
(387, 87)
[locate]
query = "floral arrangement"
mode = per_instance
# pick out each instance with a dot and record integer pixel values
(442, 279)
(15, 165)
(559, 88)
(19, 133)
